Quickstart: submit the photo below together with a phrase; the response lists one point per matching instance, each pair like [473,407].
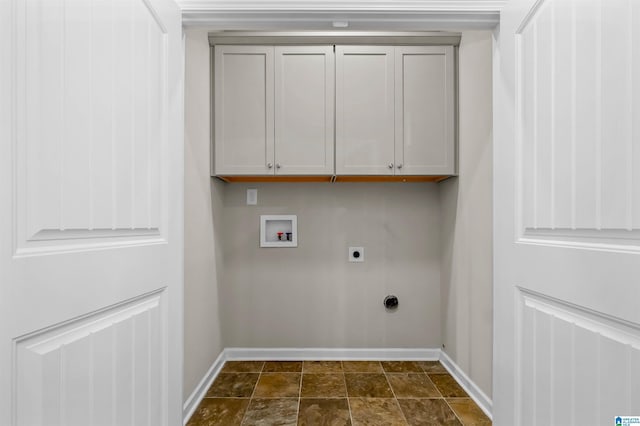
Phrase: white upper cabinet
[364,110]
[395,110]
[274,110]
[244,126]
[424,110]
[304,110]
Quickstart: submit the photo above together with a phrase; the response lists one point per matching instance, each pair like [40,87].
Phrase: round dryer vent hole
[390,302]
[356,254]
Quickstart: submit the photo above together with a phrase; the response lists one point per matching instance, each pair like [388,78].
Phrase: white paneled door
[90,212]
[567,209]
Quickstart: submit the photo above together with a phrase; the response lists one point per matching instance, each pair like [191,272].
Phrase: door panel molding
[618,240]
[58,371]
[78,175]
[576,115]
[563,346]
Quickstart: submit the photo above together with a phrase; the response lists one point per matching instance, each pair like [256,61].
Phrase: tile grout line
[346,392]
[453,411]
[434,384]
[300,393]
[395,397]
[443,397]
[255,386]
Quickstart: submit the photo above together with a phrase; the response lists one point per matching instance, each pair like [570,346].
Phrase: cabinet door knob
[278,165]
[391,165]
[270,165]
[399,166]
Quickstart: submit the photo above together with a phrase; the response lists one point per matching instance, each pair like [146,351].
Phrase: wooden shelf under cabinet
[343,178]
[374,178]
[275,178]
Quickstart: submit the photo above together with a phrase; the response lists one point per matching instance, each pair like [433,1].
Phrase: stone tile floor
[336,393]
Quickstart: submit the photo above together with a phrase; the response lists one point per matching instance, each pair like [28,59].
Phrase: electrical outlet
[252,197]
[356,254]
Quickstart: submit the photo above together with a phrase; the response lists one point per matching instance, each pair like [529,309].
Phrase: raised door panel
[89,152]
[104,368]
[564,353]
[425,143]
[304,110]
[91,225]
[243,110]
[579,110]
[364,110]
[566,193]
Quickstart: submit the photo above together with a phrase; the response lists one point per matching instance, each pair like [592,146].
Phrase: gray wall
[202,337]
[311,296]
[466,201]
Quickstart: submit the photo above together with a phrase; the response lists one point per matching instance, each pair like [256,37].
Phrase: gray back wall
[311,296]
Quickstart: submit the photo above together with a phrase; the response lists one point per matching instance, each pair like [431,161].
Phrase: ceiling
[359,15]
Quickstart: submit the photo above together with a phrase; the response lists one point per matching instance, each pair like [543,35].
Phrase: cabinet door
[364,110]
[304,110]
[243,110]
[425,139]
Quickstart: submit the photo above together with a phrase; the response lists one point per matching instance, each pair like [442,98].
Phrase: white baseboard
[484,402]
[200,391]
[329,354]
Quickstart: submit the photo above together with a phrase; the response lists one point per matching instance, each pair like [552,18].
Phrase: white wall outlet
[356,254]
[252,197]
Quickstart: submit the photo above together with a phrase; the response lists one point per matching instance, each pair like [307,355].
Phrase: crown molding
[338,5]
[361,14]
[403,38]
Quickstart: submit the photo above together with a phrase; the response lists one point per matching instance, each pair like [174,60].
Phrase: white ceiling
[360,14]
